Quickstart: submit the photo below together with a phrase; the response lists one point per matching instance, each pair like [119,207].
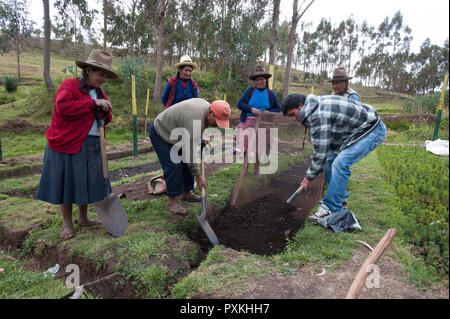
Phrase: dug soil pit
[265,224]
[262,227]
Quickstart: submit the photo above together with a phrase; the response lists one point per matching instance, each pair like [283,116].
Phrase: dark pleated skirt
[73,178]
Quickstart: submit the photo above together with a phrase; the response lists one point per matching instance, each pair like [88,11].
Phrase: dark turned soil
[261,227]
[264,225]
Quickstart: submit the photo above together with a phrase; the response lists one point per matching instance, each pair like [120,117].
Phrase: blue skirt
[73,178]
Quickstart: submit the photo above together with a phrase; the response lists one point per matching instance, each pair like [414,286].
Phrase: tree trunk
[133,24]
[18,57]
[160,49]
[47,78]
[105,22]
[295,19]
[274,40]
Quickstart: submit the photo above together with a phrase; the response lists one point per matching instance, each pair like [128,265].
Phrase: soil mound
[20,125]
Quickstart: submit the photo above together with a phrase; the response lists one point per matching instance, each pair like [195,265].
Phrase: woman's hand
[105,105]
[256,112]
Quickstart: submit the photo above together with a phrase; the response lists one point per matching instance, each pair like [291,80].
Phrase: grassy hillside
[157,256]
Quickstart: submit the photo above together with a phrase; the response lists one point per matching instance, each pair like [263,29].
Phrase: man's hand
[305,183]
[201,182]
[105,105]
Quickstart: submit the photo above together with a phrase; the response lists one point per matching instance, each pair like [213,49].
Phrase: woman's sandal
[179,211]
[90,223]
[66,233]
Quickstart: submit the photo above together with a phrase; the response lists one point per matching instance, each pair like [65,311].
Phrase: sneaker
[321,213]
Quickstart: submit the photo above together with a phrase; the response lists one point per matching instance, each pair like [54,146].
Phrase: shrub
[10,82]
[5,98]
[425,104]
[132,66]
[420,180]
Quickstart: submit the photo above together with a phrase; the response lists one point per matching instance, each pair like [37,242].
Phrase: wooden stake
[361,277]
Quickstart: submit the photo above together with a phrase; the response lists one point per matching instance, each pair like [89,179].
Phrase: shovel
[244,169]
[201,219]
[298,191]
[110,211]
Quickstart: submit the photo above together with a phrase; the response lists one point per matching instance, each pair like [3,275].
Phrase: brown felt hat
[340,74]
[186,60]
[259,71]
[101,60]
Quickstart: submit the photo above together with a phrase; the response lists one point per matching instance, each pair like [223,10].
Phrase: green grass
[225,273]
[25,185]
[370,200]
[18,283]
[21,212]
[19,144]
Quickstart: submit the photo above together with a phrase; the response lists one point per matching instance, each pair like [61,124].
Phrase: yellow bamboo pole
[133,105]
[271,79]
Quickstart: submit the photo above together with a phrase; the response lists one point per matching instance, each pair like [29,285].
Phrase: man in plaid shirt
[343,131]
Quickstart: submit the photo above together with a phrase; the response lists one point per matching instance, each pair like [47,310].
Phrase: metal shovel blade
[208,230]
[112,215]
[204,223]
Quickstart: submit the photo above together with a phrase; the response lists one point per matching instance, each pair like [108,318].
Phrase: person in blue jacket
[180,87]
[253,103]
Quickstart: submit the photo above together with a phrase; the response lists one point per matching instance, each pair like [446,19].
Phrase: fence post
[440,108]
[133,104]
[146,111]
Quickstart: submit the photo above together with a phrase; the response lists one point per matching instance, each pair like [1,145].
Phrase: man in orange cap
[184,123]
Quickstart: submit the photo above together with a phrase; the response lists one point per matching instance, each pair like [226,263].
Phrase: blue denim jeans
[337,167]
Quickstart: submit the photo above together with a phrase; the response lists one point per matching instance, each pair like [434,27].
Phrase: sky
[429,19]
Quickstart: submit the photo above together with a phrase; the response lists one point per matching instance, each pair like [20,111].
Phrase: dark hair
[84,87]
[292,101]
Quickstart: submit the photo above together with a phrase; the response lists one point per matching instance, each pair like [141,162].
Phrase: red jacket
[73,116]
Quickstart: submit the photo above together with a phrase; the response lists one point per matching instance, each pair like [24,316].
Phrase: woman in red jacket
[72,169]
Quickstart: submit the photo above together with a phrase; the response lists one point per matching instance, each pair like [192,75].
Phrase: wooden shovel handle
[202,167]
[360,279]
[103,151]
[101,130]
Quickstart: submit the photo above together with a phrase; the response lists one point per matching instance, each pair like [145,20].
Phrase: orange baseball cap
[222,112]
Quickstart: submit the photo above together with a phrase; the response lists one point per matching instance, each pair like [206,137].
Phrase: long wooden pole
[361,277]
[133,102]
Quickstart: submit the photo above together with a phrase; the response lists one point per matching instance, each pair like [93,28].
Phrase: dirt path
[309,283]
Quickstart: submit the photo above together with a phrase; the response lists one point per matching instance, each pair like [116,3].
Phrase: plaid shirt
[335,123]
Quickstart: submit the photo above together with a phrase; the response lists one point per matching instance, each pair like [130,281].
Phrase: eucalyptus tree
[351,41]
[16,25]
[72,17]
[297,14]
[47,78]
[162,5]
[274,38]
